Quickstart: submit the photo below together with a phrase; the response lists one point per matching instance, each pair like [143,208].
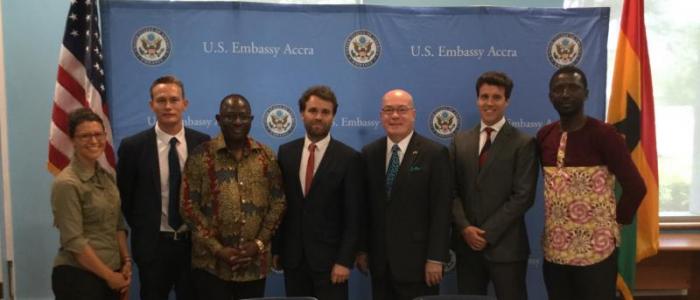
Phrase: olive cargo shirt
[86,211]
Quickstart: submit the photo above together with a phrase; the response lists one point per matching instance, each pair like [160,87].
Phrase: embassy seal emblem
[362,49]
[279,120]
[444,121]
[564,49]
[151,46]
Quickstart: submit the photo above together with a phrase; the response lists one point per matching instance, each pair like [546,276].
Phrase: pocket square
[415,169]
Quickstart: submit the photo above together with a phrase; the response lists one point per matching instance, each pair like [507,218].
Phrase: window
[673,37]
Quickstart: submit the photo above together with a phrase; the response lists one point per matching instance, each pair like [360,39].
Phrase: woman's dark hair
[79,116]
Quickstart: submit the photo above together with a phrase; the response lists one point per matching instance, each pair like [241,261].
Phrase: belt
[175,236]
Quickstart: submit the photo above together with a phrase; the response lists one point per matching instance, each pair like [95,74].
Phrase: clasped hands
[237,257]
[120,280]
[475,237]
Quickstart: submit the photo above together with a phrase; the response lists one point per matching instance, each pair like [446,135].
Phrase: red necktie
[485,148]
[309,169]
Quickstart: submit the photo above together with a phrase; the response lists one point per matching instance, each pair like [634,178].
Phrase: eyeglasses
[230,118]
[390,110]
[84,137]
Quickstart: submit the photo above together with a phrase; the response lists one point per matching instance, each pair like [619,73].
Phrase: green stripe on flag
[627,255]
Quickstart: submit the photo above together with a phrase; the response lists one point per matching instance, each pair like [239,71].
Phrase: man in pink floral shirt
[582,158]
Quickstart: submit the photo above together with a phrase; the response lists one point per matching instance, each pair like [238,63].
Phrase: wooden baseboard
[675,267]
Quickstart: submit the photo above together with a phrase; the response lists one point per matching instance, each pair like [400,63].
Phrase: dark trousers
[474,273]
[302,281]
[388,288]
[210,287]
[71,283]
[170,269]
[594,282]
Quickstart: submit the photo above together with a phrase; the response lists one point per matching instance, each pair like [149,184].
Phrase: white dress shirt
[403,144]
[163,146]
[496,129]
[321,147]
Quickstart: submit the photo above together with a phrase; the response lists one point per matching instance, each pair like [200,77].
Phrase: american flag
[80,83]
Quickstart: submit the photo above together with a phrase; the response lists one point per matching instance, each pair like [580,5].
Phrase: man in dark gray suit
[409,195]
[495,172]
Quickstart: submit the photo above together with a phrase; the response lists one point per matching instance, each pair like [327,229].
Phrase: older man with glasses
[409,197]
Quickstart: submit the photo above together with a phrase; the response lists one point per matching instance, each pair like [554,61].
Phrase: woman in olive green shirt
[93,260]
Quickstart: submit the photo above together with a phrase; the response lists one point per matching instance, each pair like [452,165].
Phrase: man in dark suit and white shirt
[317,239]
[495,172]
[409,197]
[148,176]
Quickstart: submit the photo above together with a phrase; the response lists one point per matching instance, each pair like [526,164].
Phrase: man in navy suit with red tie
[317,240]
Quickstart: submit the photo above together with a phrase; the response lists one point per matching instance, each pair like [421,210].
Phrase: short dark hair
[235,97]
[80,116]
[322,91]
[497,79]
[570,69]
[168,79]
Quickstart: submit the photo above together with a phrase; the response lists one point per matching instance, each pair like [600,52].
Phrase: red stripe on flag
[105,110]
[109,154]
[633,26]
[57,158]
[631,19]
[647,126]
[60,118]
[72,86]
[75,86]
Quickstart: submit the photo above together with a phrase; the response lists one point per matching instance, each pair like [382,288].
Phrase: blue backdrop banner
[271,53]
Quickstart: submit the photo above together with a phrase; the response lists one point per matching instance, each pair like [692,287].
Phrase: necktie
[174,219]
[485,148]
[393,168]
[310,169]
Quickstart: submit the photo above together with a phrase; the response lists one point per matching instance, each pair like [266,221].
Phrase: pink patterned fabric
[580,227]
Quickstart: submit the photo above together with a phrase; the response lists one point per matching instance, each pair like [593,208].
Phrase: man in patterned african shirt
[582,158]
[232,198]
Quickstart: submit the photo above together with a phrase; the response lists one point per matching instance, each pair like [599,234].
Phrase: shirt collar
[320,145]
[403,144]
[165,137]
[219,143]
[83,172]
[496,127]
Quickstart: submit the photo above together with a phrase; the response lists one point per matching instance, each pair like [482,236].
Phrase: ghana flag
[631,111]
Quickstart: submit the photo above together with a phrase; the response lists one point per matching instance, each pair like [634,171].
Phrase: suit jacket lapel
[498,143]
[326,163]
[152,150]
[377,161]
[188,140]
[473,149]
[296,164]
[409,159]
